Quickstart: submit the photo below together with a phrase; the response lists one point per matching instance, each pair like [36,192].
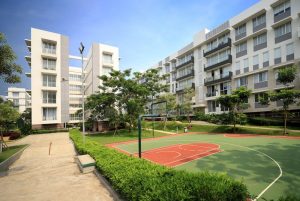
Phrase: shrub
[44,131]
[289,198]
[137,179]
[14,135]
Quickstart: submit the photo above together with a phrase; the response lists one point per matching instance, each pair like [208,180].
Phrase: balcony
[282,15]
[191,61]
[191,74]
[217,48]
[211,94]
[181,89]
[219,78]
[226,60]
[28,59]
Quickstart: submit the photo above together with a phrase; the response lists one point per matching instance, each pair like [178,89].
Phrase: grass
[122,135]
[236,159]
[172,126]
[10,151]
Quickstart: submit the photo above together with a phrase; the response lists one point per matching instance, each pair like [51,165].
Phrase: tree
[170,99]
[9,70]
[235,102]
[24,122]
[8,117]
[287,96]
[186,104]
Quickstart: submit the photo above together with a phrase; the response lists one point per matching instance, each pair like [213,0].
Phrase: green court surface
[257,161]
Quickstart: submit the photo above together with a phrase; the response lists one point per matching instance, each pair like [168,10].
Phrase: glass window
[16,102]
[290,49]
[246,63]
[107,58]
[49,48]
[277,53]
[75,88]
[49,64]
[260,96]
[75,117]
[49,80]
[241,47]
[49,97]
[283,29]
[211,106]
[282,8]
[106,71]
[222,56]
[260,39]
[259,20]
[255,60]
[243,81]
[238,65]
[266,56]
[75,77]
[15,94]
[49,114]
[240,30]
[260,77]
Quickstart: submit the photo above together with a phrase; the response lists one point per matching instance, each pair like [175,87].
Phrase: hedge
[138,179]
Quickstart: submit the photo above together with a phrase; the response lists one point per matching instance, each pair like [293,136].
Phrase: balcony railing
[211,94]
[225,60]
[220,46]
[190,61]
[181,89]
[218,78]
[190,74]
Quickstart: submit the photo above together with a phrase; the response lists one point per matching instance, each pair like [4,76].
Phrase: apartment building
[20,97]
[56,85]
[246,50]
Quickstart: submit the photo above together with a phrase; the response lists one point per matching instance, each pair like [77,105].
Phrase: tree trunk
[285,120]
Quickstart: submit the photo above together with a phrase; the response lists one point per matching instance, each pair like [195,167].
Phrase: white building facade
[57,86]
[246,50]
[20,97]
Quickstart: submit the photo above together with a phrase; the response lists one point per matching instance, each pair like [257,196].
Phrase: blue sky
[145,31]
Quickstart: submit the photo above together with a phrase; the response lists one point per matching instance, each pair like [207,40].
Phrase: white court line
[178,154]
[280,170]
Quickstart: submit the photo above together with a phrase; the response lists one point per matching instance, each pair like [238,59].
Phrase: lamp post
[81,49]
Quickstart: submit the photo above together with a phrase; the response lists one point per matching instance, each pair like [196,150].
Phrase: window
[259,20]
[240,30]
[16,102]
[246,63]
[289,49]
[277,53]
[15,94]
[241,47]
[238,65]
[261,39]
[225,88]
[75,88]
[49,80]
[260,96]
[75,105]
[75,77]
[260,77]
[107,58]
[49,64]
[106,71]
[282,8]
[283,29]
[185,84]
[167,68]
[242,81]
[49,48]
[222,56]
[255,60]
[215,43]
[49,97]
[49,114]
[184,71]
[266,56]
[75,117]
[211,106]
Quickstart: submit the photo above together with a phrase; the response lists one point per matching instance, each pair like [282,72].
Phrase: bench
[86,163]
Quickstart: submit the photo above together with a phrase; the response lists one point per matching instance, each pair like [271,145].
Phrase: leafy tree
[236,103]
[186,105]
[8,117]
[24,122]
[287,96]
[170,99]
[9,70]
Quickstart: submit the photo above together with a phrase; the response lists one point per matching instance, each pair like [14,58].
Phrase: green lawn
[172,127]
[122,135]
[244,159]
[10,151]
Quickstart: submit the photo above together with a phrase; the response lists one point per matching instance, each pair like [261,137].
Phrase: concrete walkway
[38,176]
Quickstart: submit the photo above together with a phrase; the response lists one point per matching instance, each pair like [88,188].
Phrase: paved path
[38,176]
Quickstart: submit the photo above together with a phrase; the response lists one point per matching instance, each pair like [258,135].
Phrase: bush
[289,198]
[137,179]
[264,121]
[49,131]
[14,135]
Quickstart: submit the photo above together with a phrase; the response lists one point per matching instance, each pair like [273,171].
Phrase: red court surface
[179,154]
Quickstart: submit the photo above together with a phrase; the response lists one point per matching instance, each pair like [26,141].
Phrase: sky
[145,31]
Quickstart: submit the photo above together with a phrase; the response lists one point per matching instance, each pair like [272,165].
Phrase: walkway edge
[4,165]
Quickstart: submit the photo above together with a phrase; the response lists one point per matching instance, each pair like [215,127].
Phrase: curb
[5,164]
